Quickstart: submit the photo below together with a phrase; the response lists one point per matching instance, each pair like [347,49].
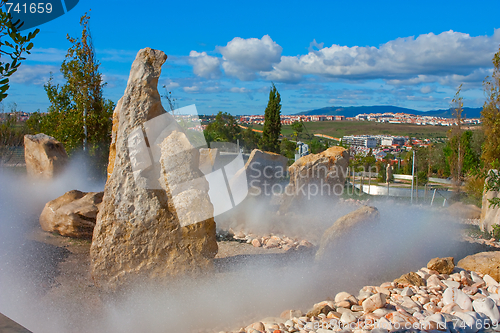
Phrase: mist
[242,289]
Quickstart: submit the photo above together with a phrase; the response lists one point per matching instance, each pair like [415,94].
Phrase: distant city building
[361,140]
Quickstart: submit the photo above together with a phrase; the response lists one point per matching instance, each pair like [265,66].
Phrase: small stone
[256,243]
[374,302]
[289,314]
[452,307]
[411,278]
[442,265]
[454,295]
[271,243]
[476,278]
[490,281]
[407,291]
[343,304]
[488,307]
[451,284]
[433,280]
[347,318]
[259,326]
[357,308]
[342,296]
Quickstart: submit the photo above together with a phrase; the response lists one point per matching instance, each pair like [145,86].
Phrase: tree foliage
[491,114]
[456,149]
[79,103]
[272,122]
[12,45]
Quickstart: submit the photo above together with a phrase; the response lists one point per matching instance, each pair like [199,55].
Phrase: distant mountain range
[352,111]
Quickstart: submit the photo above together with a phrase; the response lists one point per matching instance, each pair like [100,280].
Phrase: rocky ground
[458,300]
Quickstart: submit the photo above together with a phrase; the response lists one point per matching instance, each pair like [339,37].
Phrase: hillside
[352,111]
[340,128]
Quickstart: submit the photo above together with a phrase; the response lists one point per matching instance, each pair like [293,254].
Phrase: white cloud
[241,90]
[421,59]
[38,74]
[427,89]
[204,65]
[242,58]
[192,89]
[46,55]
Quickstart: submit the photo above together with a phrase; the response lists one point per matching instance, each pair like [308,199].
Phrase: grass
[340,128]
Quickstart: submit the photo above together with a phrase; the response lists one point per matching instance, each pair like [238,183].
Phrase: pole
[412,175]
[433,195]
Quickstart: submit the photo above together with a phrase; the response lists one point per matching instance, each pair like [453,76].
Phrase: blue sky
[223,55]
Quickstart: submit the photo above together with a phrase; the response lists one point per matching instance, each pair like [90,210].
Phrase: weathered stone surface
[45,156]
[265,167]
[442,265]
[73,214]
[489,215]
[208,158]
[411,278]
[325,172]
[464,211]
[344,225]
[483,262]
[139,235]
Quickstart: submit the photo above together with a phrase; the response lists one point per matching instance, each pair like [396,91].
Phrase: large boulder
[208,158]
[73,214]
[45,156]
[345,225]
[263,170]
[156,220]
[464,211]
[484,263]
[489,215]
[316,176]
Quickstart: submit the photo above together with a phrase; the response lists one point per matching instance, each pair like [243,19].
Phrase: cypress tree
[272,122]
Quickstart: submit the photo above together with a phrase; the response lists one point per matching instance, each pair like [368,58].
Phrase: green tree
[250,139]
[491,114]
[272,122]
[224,128]
[298,128]
[288,148]
[12,45]
[78,114]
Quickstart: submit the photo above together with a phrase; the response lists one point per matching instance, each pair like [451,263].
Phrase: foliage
[224,128]
[79,103]
[298,128]
[456,151]
[250,139]
[272,122]
[287,148]
[492,183]
[422,177]
[491,114]
[16,44]
[11,134]
[316,146]
[474,187]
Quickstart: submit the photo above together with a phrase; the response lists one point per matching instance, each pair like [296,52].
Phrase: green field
[340,128]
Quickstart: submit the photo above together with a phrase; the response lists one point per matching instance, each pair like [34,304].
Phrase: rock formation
[45,156]
[208,158]
[343,226]
[263,169]
[73,214]
[144,232]
[315,176]
[484,263]
[489,215]
[464,211]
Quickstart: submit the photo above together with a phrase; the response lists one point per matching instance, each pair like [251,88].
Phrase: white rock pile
[270,241]
[436,298]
